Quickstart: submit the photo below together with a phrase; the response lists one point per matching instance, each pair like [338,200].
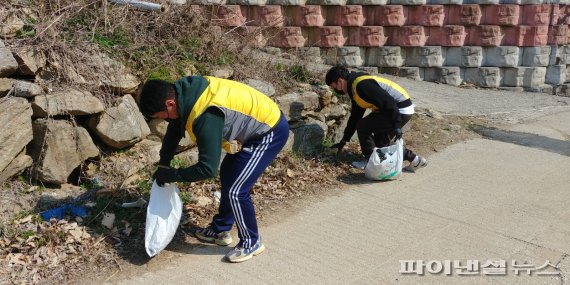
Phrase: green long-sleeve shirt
[208,129]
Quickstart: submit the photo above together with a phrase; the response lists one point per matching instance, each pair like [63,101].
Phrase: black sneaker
[208,234]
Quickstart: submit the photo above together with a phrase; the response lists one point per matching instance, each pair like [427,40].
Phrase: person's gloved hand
[160,166]
[164,175]
[339,146]
[397,133]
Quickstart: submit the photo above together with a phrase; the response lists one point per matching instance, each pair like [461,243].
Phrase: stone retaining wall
[512,43]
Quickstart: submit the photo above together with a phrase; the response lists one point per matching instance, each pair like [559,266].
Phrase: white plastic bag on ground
[162,217]
[386,163]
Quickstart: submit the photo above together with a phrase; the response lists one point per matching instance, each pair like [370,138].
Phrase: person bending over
[219,113]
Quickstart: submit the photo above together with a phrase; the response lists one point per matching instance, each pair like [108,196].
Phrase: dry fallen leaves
[32,256]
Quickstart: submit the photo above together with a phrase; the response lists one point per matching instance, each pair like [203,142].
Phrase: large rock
[10,24]
[16,122]
[16,166]
[223,73]
[8,63]
[5,86]
[67,102]
[27,89]
[121,126]
[30,60]
[308,138]
[116,77]
[335,111]
[58,148]
[261,86]
[293,104]
[158,130]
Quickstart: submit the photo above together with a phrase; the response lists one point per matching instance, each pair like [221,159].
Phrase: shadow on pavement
[198,248]
[526,139]
[357,179]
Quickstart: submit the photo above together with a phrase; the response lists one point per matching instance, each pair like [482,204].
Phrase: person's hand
[339,146]
[164,175]
[397,133]
[160,166]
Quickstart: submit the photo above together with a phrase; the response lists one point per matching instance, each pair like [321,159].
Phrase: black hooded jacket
[370,91]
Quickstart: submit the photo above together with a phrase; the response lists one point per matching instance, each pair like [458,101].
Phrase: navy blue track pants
[238,174]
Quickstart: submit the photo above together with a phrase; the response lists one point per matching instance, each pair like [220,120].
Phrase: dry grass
[179,41]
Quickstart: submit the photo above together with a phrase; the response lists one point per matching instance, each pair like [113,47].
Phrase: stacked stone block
[491,43]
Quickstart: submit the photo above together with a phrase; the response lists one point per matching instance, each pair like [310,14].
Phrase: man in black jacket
[391,109]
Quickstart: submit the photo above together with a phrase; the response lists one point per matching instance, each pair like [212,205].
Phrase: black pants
[376,130]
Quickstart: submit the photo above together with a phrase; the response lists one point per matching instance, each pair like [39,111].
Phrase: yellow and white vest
[396,91]
[248,112]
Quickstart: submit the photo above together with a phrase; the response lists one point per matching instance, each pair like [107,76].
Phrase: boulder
[16,122]
[293,104]
[335,111]
[16,166]
[5,86]
[158,130]
[8,63]
[223,73]
[58,148]
[120,126]
[67,102]
[308,138]
[261,86]
[116,77]
[27,89]
[30,60]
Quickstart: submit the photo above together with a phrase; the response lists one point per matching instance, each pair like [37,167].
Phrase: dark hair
[336,72]
[153,95]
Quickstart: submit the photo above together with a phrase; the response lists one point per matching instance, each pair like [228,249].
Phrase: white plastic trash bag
[386,163]
[162,217]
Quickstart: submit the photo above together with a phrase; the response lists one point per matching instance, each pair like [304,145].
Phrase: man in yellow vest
[391,109]
[219,113]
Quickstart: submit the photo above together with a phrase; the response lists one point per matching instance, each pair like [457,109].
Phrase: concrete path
[500,106]
[480,201]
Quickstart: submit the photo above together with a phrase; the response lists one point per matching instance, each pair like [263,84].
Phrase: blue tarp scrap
[57,213]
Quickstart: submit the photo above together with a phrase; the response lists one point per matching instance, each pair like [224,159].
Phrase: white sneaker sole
[249,256]
[411,168]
